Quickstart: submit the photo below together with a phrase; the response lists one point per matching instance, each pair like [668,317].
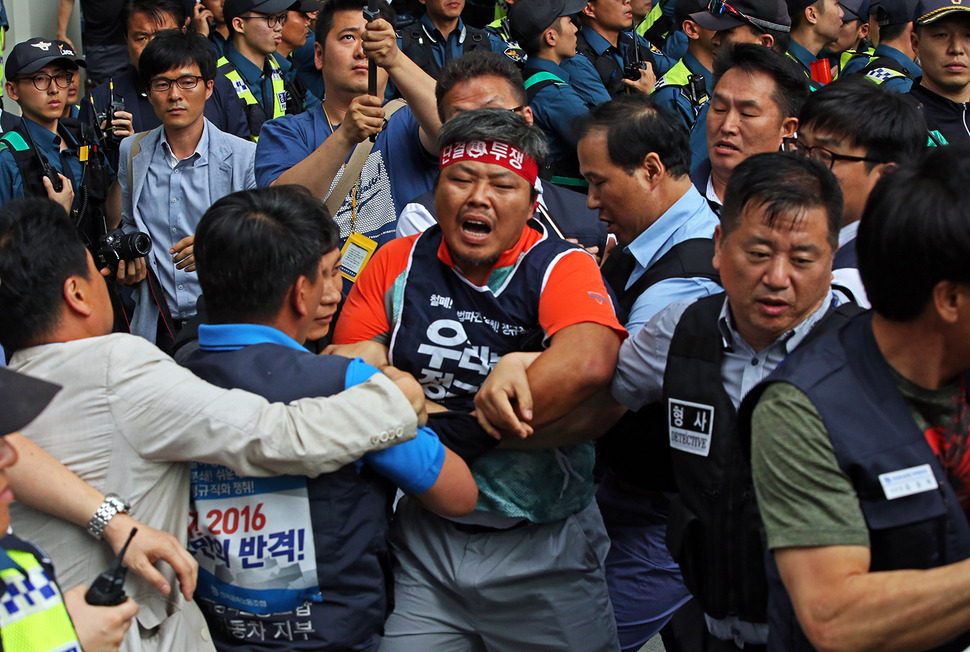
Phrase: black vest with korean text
[449,335]
[714,528]
[914,517]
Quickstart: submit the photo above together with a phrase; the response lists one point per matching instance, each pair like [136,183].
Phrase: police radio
[45,165]
[108,589]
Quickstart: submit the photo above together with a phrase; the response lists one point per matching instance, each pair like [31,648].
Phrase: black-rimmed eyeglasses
[43,81]
[824,156]
[185,82]
[271,21]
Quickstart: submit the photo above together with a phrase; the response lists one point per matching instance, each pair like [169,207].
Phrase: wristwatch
[113,503]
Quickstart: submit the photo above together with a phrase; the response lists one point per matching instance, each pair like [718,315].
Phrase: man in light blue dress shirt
[170,175]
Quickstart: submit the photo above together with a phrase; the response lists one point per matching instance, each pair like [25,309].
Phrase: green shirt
[804,497]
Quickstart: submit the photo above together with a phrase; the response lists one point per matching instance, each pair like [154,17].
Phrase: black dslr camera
[115,246]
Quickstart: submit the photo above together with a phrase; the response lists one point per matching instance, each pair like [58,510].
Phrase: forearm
[317,171]
[419,90]
[588,421]
[64,11]
[886,611]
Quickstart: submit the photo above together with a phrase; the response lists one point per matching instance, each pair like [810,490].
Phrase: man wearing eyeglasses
[859,147]
[255,30]
[45,150]
[170,175]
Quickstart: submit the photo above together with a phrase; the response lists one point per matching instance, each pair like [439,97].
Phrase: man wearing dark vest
[859,440]
[525,568]
[255,29]
[315,565]
[859,147]
[893,63]
[547,34]
[664,231]
[696,360]
[685,89]
[440,35]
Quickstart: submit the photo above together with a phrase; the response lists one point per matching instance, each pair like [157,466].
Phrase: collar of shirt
[710,194]
[788,341]
[434,35]
[199,157]
[647,246]
[508,258]
[283,62]
[848,233]
[536,63]
[934,100]
[913,68]
[251,73]
[596,40]
[231,337]
[47,142]
[695,67]
[800,54]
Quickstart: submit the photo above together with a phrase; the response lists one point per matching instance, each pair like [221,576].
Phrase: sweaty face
[330,283]
[611,15]
[482,209]
[295,30]
[443,9]
[142,29]
[42,107]
[622,199]
[774,276]
[854,178]
[343,61]
[179,108]
[744,119]
[944,53]
[8,457]
[481,93]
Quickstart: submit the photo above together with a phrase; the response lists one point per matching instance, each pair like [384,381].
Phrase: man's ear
[950,300]
[11,90]
[864,30]
[77,298]
[766,40]
[652,168]
[317,55]
[549,38]
[690,28]
[299,296]
[718,240]
[789,126]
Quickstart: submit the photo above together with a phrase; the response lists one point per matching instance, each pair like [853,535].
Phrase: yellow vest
[226,68]
[32,613]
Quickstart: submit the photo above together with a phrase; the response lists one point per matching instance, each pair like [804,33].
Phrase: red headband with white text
[492,151]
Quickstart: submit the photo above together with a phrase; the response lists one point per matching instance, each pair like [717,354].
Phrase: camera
[115,246]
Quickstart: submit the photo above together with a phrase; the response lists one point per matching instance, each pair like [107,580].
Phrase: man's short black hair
[883,123]
[331,7]
[475,64]
[39,249]
[252,245]
[154,8]
[791,85]
[892,32]
[785,184]
[173,48]
[914,232]
[635,126]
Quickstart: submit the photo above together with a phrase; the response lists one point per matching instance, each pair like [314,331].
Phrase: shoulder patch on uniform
[880,75]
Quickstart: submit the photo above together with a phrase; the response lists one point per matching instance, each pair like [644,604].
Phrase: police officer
[893,62]
[46,155]
[684,90]
[256,28]
[547,33]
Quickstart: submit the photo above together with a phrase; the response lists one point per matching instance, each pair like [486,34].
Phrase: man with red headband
[525,569]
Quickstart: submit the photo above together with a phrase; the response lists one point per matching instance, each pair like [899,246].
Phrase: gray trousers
[535,587]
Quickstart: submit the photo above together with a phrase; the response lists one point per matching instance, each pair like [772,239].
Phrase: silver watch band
[113,503]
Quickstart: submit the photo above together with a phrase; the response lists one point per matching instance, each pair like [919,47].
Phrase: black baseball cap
[33,54]
[529,18]
[23,398]
[929,11]
[893,12]
[233,8]
[855,10]
[767,14]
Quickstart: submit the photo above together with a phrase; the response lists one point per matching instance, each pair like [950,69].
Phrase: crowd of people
[548,325]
